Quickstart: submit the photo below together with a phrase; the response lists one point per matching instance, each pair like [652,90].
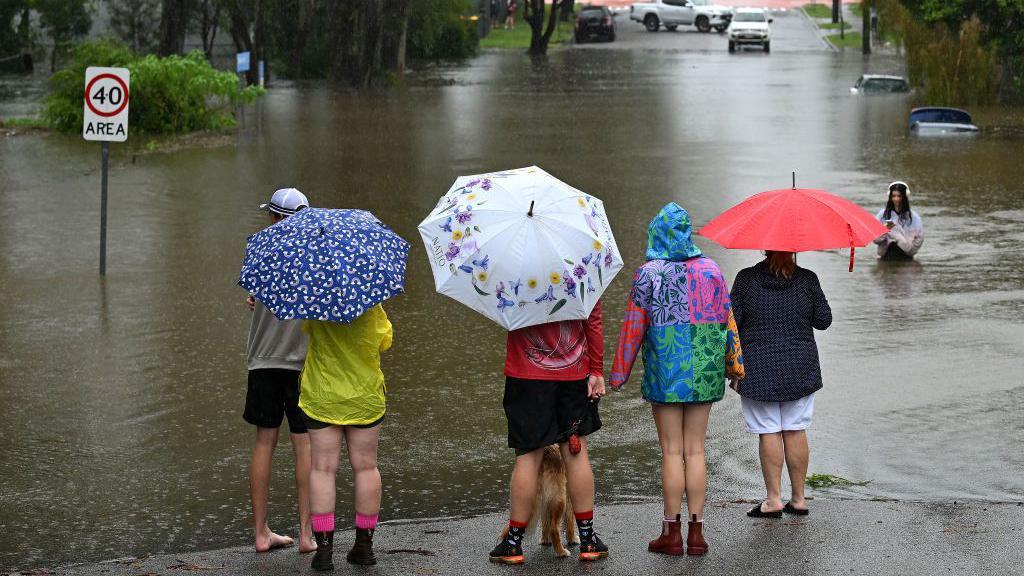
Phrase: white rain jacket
[909,237]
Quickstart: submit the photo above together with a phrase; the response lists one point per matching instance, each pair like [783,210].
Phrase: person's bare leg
[772,454]
[797,457]
[579,476]
[695,427]
[362,455]
[668,420]
[259,491]
[303,467]
[523,486]
[325,451]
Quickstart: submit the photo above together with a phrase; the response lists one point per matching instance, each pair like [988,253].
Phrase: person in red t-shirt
[554,377]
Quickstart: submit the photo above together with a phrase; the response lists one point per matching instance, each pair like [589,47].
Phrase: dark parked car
[595,22]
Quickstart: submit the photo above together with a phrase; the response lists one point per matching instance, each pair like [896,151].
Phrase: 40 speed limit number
[106,104]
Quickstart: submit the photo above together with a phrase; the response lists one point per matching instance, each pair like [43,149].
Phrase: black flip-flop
[756,512]
[788,509]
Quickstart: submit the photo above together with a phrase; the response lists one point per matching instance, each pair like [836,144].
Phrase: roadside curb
[821,33]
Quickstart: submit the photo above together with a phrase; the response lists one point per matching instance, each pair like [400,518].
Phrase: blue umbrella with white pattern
[324,264]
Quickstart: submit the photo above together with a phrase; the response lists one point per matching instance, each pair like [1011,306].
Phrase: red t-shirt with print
[567,350]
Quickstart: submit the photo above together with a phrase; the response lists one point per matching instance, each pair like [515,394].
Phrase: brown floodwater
[122,430]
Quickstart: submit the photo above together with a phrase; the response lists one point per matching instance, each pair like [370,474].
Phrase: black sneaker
[362,550]
[592,549]
[507,553]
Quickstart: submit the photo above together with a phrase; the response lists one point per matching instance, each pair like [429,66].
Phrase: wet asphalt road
[840,537]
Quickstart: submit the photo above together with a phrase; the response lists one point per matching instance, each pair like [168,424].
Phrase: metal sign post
[105,120]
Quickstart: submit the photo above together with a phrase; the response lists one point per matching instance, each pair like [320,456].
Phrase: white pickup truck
[674,13]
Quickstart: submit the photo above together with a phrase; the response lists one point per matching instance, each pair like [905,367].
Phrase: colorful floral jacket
[679,312]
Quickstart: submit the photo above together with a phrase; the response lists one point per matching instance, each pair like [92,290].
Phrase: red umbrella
[794,220]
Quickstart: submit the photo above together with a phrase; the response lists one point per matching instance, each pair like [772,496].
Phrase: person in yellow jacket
[343,395]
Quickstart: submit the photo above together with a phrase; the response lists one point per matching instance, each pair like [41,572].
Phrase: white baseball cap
[286,201]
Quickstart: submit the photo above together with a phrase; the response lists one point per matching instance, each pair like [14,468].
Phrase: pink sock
[366,522]
[323,522]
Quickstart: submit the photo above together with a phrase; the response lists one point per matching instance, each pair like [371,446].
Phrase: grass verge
[25,123]
[818,10]
[851,40]
[519,38]
[835,26]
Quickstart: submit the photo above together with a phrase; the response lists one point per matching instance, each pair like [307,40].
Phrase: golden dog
[552,505]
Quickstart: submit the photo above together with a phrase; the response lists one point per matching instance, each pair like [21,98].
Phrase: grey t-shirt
[275,343]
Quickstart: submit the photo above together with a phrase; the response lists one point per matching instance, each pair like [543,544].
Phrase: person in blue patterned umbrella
[275,353]
[777,306]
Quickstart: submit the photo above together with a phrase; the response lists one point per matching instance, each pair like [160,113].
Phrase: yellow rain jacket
[342,382]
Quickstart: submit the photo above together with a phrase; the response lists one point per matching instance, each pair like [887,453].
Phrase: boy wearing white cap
[276,352]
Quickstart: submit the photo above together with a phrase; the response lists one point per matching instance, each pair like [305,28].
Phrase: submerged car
[880,84]
[595,22]
[750,27]
[936,121]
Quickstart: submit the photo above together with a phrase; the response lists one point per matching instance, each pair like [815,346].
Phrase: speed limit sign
[106,104]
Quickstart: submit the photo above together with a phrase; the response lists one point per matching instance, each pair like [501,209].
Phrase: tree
[10,42]
[64,21]
[865,21]
[535,15]
[174,17]
[136,22]
[207,16]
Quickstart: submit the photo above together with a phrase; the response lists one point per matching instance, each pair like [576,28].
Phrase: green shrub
[171,95]
[437,30]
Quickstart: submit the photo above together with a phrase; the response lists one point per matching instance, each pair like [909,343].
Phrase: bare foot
[270,541]
[306,544]
[769,506]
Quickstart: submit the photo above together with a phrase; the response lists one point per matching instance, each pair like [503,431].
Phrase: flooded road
[123,431]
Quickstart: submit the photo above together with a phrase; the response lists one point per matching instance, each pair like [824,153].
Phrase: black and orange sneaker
[507,552]
[592,549]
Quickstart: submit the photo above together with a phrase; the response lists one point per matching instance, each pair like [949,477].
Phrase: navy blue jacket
[776,319]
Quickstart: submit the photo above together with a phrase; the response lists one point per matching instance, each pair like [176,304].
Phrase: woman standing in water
[906,233]
[342,396]
[679,312]
[777,306]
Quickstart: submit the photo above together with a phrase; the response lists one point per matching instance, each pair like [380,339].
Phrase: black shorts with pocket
[544,412]
[273,394]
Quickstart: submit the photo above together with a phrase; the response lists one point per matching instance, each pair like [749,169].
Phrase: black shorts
[544,412]
[314,424]
[273,394]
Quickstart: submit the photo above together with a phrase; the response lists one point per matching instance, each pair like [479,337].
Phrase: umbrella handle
[853,249]
[530,212]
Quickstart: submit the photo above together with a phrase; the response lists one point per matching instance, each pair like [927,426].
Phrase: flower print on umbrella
[590,285]
[586,259]
[532,283]
[579,271]
[548,296]
[466,269]
[453,251]
[469,245]
[464,216]
[457,235]
[598,246]
[515,286]
[555,278]
[447,226]
[608,259]
[483,263]
[570,286]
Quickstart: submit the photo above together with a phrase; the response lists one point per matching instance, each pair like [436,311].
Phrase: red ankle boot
[695,544]
[671,540]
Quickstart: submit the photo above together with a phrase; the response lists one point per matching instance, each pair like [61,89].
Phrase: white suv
[750,26]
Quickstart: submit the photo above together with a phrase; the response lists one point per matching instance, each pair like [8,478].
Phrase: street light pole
[865,18]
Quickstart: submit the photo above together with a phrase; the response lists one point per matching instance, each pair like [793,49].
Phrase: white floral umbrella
[521,247]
